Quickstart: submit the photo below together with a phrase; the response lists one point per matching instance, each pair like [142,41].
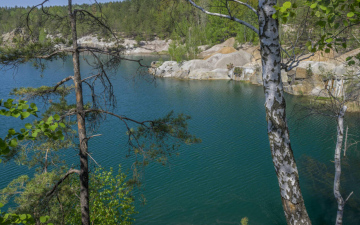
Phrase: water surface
[229,175]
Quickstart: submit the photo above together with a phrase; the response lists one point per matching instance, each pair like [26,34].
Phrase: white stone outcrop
[309,78]
[215,67]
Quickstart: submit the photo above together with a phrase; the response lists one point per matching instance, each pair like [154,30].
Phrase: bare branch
[54,53]
[245,4]
[59,83]
[96,75]
[71,171]
[349,196]
[101,23]
[94,160]
[225,16]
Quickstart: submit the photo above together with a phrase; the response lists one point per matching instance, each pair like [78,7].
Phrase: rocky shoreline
[131,46]
[322,72]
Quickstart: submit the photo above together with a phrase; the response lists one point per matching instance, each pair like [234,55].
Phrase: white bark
[282,154]
[225,16]
[278,132]
[337,159]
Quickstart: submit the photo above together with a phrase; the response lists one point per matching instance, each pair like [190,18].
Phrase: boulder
[196,64]
[319,68]
[342,58]
[255,52]
[256,78]
[313,85]
[167,69]
[228,43]
[239,58]
[301,73]
[198,74]
[203,47]
[284,77]
[205,74]
[225,50]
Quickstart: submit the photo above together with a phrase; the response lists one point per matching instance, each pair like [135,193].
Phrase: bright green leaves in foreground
[332,18]
[285,11]
[21,109]
[12,218]
[111,200]
[49,127]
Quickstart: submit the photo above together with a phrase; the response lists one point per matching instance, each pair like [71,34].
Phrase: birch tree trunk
[83,153]
[340,137]
[278,132]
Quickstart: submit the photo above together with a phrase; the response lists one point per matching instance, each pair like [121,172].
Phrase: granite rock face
[215,67]
[309,78]
[211,51]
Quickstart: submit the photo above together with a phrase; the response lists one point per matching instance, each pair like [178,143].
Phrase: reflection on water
[229,175]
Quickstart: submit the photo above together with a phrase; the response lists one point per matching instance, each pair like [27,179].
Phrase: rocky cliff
[313,78]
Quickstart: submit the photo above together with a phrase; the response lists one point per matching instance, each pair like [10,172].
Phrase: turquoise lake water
[230,174]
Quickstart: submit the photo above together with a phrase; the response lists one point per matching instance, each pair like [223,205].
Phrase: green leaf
[25,115]
[321,23]
[23,217]
[1,205]
[287,5]
[61,137]
[350,14]
[28,126]
[50,119]
[43,219]
[34,134]
[12,131]
[323,7]
[16,115]
[56,117]
[329,40]
[313,5]
[327,50]
[62,125]
[53,127]
[13,143]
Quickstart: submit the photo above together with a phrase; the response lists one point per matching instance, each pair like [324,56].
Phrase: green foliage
[142,19]
[285,11]
[111,201]
[177,52]
[309,71]
[332,17]
[30,197]
[50,127]
[238,71]
[42,35]
[158,140]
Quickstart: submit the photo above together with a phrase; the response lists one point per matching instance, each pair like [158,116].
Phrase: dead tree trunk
[83,152]
[337,159]
[278,132]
